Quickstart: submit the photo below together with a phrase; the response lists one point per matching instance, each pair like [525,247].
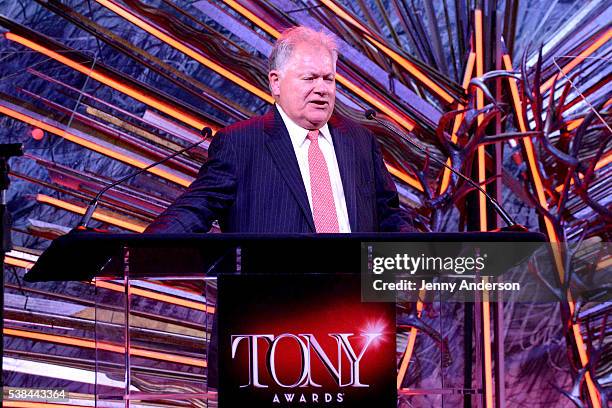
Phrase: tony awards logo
[341,365]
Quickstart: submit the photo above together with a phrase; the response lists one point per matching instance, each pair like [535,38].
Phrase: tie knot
[313,135]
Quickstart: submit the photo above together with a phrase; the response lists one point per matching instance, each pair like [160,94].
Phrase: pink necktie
[323,206]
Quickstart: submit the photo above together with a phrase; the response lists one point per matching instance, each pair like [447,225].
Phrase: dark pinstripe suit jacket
[252,183]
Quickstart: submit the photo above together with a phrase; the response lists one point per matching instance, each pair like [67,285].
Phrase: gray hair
[284,46]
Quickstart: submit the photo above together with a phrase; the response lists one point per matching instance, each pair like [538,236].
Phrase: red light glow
[37,134]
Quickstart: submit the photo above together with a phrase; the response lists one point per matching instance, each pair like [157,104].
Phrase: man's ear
[274,80]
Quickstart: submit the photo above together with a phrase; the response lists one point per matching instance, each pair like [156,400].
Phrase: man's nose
[321,87]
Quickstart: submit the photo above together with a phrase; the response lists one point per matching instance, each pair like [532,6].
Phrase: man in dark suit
[296,169]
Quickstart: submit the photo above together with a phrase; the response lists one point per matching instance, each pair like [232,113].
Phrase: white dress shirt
[300,143]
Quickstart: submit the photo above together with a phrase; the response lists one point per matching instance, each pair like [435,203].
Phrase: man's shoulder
[245,128]
[351,127]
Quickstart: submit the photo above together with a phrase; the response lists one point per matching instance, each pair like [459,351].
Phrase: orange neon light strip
[115,348]
[45,199]
[458,119]
[185,50]
[157,296]
[486,339]
[405,177]
[252,17]
[20,263]
[552,235]
[479,105]
[578,59]
[482,200]
[339,12]
[128,90]
[604,162]
[573,124]
[467,76]
[518,109]
[486,314]
[401,373]
[401,119]
[412,69]
[93,146]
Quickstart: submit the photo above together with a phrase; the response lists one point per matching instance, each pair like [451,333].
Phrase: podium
[185,277]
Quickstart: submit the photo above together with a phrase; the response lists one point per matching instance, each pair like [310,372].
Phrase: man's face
[305,87]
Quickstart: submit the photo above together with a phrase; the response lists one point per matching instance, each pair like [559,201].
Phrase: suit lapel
[280,148]
[345,154]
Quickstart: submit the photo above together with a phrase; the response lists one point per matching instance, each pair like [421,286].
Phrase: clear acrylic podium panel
[166,323]
[170,321]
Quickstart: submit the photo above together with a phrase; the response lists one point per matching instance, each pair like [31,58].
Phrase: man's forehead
[317,52]
[316,67]
[312,59]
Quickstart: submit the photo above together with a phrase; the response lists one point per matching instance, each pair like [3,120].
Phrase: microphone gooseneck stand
[91,207]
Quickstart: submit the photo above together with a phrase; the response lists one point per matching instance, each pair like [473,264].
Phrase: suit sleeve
[391,217]
[208,197]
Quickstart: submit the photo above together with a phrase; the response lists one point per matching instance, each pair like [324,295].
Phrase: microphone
[93,204]
[370,114]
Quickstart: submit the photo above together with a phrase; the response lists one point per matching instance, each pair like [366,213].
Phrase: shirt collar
[297,133]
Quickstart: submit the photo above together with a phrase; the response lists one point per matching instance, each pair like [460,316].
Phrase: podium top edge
[383,236]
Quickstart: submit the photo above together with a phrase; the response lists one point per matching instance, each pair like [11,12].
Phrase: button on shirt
[300,143]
